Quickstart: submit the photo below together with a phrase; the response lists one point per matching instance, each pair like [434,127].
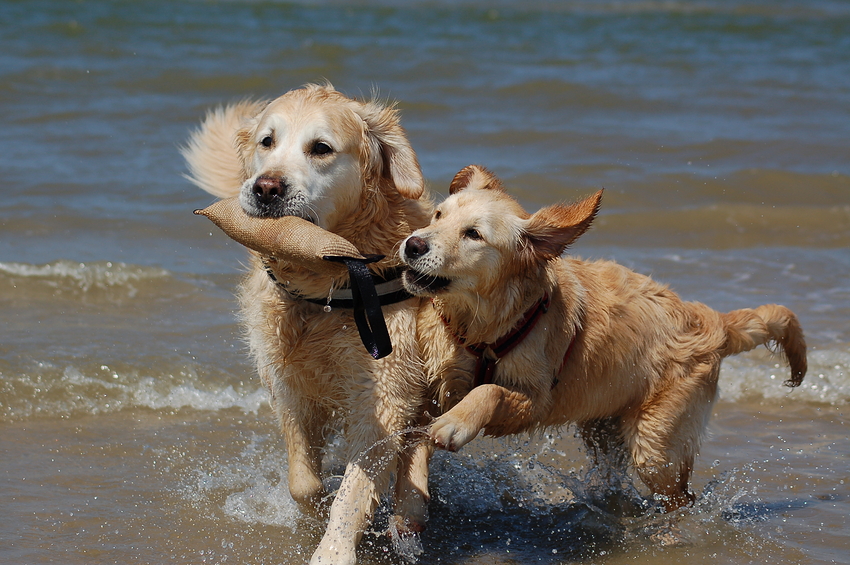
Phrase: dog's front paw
[451,433]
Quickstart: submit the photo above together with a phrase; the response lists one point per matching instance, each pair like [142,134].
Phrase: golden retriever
[517,338]
[347,166]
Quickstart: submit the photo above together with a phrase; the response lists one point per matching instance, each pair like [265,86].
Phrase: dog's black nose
[266,189]
[415,247]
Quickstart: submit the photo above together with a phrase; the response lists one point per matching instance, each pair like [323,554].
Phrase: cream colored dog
[347,166]
[519,339]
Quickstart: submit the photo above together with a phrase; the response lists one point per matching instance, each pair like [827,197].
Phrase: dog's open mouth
[277,207]
[269,212]
[420,283]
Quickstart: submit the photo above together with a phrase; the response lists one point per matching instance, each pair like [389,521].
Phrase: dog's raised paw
[450,433]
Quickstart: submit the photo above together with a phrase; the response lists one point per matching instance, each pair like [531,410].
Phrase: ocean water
[132,426]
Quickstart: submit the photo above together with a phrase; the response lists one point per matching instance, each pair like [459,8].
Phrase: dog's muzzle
[417,282]
[268,197]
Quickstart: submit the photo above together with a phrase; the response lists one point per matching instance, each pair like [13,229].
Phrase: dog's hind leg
[664,436]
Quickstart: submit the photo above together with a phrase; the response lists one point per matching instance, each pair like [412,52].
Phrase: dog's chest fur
[294,330]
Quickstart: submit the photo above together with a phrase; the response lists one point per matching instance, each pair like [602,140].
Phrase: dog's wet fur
[347,166]
[618,354]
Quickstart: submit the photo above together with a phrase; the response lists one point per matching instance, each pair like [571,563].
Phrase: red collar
[488,354]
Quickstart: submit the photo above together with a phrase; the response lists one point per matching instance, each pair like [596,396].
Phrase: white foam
[84,276]
[827,380]
[145,394]
[64,391]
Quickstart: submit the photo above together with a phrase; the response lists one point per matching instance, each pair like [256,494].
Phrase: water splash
[529,500]
[407,545]
[247,488]
[517,498]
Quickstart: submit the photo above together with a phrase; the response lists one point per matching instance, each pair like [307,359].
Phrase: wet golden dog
[347,166]
[518,338]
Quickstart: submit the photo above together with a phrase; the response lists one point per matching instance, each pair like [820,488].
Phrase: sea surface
[133,428]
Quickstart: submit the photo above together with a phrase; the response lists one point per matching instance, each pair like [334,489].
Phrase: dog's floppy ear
[475,176]
[390,153]
[550,230]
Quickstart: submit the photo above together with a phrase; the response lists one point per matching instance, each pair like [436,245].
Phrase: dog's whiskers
[477,309]
[420,277]
[311,214]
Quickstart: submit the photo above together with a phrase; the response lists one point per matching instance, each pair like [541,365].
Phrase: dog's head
[316,153]
[479,237]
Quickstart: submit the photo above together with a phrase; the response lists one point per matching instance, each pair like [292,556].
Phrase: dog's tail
[210,153]
[766,325]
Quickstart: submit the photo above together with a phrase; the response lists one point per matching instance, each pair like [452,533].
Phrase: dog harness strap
[367,307]
[523,328]
[366,294]
[488,354]
[485,370]
[389,289]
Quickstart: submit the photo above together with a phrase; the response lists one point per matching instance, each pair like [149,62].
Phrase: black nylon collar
[389,289]
[368,292]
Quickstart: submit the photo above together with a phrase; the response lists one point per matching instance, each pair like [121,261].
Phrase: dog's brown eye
[321,148]
[472,233]
[437,215]
[267,141]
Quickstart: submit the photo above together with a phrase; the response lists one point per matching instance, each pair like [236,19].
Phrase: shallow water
[133,428]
